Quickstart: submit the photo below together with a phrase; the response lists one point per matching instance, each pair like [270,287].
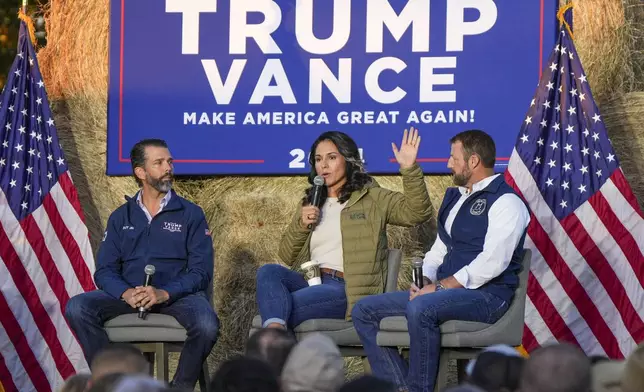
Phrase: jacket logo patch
[478,207]
[358,215]
[126,227]
[172,227]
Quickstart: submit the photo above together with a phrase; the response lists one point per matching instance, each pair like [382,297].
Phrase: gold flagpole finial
[562,19]
[22,15]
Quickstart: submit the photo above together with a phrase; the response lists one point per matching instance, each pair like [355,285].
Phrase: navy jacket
[177,242]
[468,236]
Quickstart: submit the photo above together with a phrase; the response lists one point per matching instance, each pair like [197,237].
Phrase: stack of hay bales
[609,36]
[247,215]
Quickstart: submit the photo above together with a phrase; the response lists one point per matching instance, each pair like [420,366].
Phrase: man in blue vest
[156,227]
[470,273]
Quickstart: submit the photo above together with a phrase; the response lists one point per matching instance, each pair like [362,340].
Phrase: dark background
[9,26]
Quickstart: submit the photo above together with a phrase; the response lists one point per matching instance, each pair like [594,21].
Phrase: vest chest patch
[358,215]
[478,207]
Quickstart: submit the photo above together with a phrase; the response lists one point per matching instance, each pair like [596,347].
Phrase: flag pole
[22,15]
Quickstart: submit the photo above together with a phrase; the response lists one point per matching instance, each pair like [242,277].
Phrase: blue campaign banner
[245,86]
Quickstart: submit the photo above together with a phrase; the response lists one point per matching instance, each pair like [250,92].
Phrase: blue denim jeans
[87,312]
[424,315]
[284,297]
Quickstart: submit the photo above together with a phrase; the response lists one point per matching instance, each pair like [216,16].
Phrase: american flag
[45,254]
[586,231]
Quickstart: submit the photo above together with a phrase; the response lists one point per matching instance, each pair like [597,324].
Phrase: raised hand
[406,156]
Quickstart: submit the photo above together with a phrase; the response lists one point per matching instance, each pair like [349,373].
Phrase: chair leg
[443,370]
[150,358]
[366,366]
[204,379]
[161,354]
[461,366]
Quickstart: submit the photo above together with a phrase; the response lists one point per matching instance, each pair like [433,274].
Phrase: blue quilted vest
[468,236]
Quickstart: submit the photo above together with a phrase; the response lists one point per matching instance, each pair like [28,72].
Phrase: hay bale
[78,37]
[248,215]
[634,11]
[624,118]
[603,38]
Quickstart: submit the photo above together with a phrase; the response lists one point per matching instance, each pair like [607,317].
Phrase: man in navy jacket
[471,271]
[159,228]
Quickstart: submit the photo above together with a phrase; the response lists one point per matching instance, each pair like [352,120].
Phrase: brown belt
[332,272]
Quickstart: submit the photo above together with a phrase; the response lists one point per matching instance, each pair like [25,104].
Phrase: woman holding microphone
[347,236]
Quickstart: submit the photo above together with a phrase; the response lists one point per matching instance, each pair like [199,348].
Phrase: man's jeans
[424,315]
[88,312]
[284,297]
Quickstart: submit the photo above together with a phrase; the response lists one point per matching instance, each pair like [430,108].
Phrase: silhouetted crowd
[275,361]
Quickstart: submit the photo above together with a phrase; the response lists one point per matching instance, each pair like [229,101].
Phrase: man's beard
[163,184]
[463,178]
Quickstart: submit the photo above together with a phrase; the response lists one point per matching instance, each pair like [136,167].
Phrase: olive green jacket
[363,224]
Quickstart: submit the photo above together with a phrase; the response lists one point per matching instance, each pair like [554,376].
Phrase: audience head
[556,368]
[105,383]
[620,376]
[472,157]
[271,345]
[139,383]
[497,372]
[497,368]
[314,365]
[368,383]
[76,383]
[607,376]
[152,164]
[243,374]
[118,358]
[464,388]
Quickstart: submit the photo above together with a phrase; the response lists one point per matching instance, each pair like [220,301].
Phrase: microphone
[418,273]
[149,271]
[316,198]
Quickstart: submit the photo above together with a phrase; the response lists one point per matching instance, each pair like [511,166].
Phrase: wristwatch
[439,286]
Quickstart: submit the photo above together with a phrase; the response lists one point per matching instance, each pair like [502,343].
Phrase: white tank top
[326,240]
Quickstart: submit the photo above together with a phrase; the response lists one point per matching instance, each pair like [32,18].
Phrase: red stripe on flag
[37,242]
[622,184]
[570,284]
[604,272]
[30,294]
[6,381]
[70,191]
[530,343]
[69,244]
[548,312]
[10,324]
[621,235]
[573,288]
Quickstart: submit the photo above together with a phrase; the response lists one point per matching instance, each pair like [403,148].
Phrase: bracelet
[439,286]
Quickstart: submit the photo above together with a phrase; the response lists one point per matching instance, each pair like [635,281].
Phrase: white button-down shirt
[508,217]
[164,202]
